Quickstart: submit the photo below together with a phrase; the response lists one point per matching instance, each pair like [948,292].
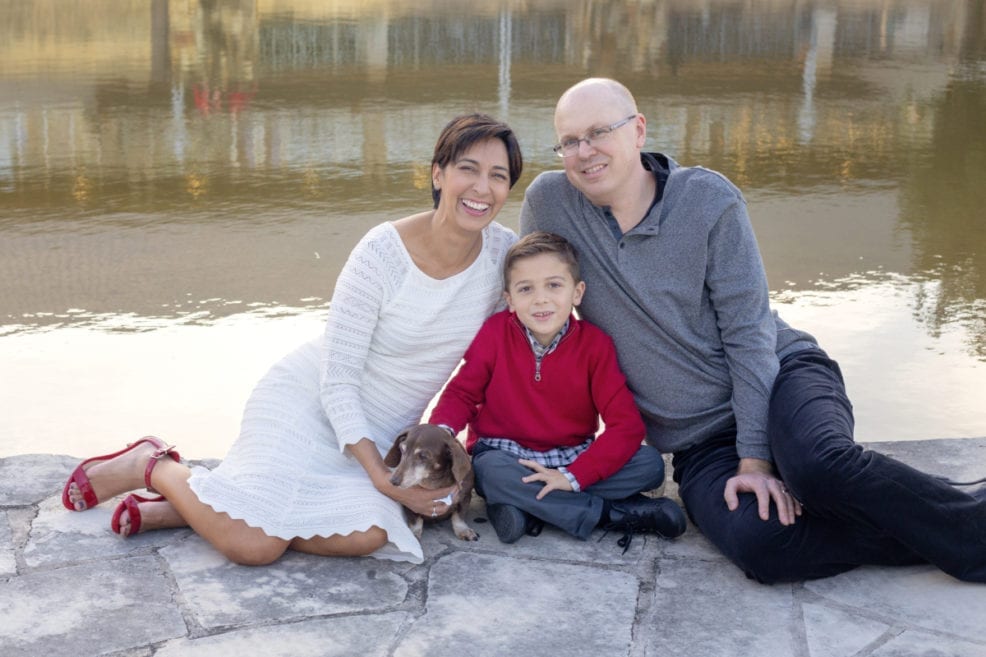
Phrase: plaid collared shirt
[540,351]
[557,457]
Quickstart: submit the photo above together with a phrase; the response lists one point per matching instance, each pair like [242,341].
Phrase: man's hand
[757,476]
[553,480]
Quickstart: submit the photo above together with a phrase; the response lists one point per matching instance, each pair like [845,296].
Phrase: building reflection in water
[194,159]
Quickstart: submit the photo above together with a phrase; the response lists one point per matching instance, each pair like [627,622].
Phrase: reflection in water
[191,161]
[80,391]
[944,207]
[893,366]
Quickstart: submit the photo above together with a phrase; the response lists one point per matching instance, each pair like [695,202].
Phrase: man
[755,413]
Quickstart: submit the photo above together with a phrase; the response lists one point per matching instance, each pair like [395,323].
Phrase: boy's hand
[553,480]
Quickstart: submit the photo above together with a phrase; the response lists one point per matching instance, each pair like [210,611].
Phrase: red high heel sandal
[81,480]
[129,504]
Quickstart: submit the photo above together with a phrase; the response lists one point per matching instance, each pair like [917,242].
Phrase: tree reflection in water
[944,207]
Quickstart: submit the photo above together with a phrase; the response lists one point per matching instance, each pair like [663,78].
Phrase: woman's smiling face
[475,185]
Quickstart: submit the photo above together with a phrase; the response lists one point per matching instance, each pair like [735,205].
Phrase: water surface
[180,181]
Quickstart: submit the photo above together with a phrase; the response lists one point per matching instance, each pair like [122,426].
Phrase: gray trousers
[498,480]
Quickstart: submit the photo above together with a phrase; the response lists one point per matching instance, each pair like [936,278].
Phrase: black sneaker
[510,523]
[645,515]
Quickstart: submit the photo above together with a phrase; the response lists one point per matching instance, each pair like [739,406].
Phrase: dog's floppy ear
[460,459]
[393,458]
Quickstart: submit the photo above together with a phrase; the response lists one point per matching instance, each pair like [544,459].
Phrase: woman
[307,471]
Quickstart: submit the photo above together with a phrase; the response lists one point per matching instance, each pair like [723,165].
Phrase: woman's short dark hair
[462,132]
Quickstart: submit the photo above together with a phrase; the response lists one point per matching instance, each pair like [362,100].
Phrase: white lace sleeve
[501,239]
[363,285]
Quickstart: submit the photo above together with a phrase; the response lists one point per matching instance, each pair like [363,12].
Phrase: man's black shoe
[645,515]
[510,523]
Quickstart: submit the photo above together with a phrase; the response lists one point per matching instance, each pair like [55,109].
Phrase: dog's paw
[466,534]
[461,529]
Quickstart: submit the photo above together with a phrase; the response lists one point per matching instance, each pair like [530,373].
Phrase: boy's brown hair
[537,243]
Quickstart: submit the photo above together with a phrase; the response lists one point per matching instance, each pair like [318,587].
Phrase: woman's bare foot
[153,515]
[114,476]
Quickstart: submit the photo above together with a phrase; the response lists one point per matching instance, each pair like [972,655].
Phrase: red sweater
[496,395]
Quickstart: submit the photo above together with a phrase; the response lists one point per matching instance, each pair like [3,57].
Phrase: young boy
[532,387]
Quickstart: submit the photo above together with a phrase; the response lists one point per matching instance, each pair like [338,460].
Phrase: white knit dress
[393,337]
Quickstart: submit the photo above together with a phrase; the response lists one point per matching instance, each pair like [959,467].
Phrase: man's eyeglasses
[570,146]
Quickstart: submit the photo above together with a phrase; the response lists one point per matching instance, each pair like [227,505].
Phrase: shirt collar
[539,349]
[656,163]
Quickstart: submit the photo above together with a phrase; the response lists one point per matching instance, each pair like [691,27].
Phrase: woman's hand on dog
[552,478]
[425,501]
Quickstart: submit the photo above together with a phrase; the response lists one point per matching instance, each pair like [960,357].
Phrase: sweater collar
[541,350]
[660,165]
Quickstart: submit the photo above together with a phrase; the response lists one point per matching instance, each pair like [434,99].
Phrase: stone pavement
[68,586]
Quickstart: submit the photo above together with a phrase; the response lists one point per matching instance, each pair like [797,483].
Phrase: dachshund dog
[427,455]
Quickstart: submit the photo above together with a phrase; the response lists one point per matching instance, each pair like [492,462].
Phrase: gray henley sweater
[684,296]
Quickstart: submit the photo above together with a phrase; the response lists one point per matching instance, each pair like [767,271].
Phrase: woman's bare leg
[239,542]
[357,544]
[163,515]
[236,540]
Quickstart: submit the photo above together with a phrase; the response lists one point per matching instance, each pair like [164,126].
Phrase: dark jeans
[498,480]
[860,506]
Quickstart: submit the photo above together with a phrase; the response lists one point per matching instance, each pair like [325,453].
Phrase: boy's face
[542,293]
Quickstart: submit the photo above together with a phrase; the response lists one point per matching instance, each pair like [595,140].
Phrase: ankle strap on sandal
[159,453]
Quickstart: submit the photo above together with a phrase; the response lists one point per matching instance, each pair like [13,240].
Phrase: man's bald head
[598,88]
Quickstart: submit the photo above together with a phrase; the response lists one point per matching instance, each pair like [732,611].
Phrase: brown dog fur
[427,455]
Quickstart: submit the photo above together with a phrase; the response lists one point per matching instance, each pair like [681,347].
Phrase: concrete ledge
[69,586]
